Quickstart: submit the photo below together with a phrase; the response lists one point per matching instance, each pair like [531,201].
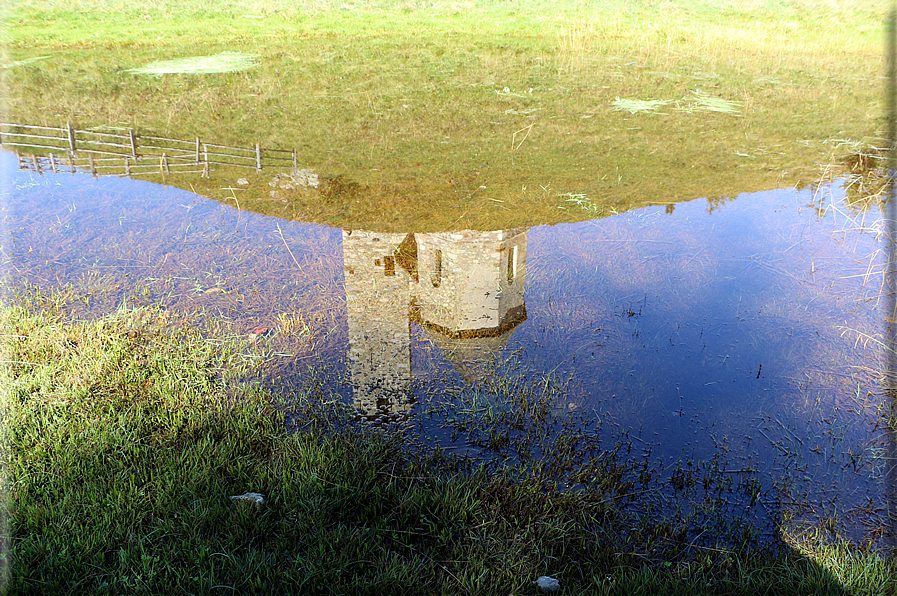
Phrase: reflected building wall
[466,289]
[470,280]
[378,296]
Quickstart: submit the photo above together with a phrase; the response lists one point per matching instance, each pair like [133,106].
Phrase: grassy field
[125,437]
[439,115]
[125,441]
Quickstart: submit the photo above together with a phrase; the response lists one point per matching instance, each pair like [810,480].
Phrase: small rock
[286,185]
[305,177]
[257,499]
[242,182]
[548,584]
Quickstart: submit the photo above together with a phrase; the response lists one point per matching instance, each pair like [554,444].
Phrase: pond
[726,345]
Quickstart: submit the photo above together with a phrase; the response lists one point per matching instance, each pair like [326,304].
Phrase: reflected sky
[749,327]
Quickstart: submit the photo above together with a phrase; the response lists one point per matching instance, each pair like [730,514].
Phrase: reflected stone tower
[378,274]
[466,289]
[470,294]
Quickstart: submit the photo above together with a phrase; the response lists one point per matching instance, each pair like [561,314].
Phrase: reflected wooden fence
[123,152]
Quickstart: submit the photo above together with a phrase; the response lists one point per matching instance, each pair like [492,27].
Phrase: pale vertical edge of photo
[890,322]
[5,380]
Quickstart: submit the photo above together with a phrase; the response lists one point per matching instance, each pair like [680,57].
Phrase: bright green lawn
[474,114]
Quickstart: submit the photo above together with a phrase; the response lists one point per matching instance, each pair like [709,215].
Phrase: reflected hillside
[465,289]
[263,181]
[270,180]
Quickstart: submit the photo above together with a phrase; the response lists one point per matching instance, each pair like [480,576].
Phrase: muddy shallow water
[744,331]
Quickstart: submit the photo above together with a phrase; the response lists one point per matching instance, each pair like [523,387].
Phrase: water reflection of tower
[467,292]
[470,295]
[378,295]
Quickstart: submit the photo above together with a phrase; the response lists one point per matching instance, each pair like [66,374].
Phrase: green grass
[127,436]
[416,104]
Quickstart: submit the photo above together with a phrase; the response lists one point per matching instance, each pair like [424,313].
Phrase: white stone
[548,584]
[242,182]
[250,498]
[305,177]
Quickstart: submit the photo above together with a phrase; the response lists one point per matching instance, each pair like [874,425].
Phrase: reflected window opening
[512,264]
[389,266]
[437,269]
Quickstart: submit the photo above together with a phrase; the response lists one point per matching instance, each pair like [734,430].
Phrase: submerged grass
[426,111]
[126,440]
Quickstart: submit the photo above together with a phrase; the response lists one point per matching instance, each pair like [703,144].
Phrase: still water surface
[747,328]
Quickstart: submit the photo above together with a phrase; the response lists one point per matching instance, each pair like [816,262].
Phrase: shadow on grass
[126,443]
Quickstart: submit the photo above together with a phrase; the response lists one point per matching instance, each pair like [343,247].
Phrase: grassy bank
[435,115]
[127,436]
